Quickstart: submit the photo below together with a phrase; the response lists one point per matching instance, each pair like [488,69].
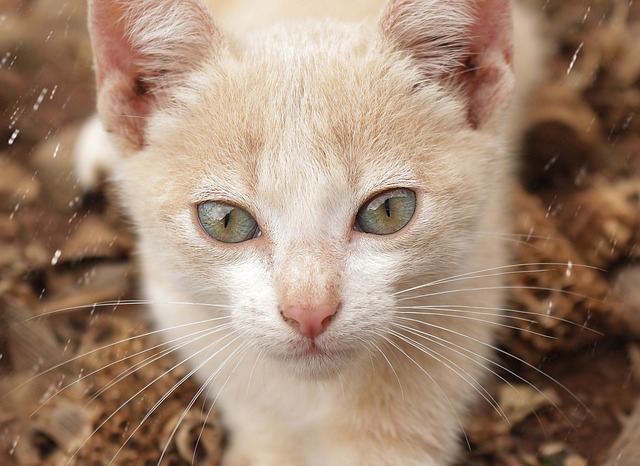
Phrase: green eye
[387,212]
[226,223]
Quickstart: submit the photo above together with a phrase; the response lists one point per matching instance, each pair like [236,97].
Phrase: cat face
[289,137]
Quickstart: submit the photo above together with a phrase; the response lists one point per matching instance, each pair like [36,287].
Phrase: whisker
[390,367]
[205,386]
[484,321]
[501,310]
[110,345]
[451,345]
[506,353]
[155,357]
[447,362]
[419,310]
[483,273]
[113,363]
[140,392]
[503,287]
[173,389]
[115,304]
[437,386]
[244,347]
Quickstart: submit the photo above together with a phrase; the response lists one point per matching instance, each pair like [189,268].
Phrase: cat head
[303,174]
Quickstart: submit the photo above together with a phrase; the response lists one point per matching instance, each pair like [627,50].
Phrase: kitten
[319,206]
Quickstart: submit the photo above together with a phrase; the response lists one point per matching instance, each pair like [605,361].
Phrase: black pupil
[387,207]
[226,219]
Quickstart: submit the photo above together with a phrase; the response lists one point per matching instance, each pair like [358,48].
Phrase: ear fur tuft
[465,44]
[142,49]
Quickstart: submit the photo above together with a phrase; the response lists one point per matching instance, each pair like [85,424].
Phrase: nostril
[326,321]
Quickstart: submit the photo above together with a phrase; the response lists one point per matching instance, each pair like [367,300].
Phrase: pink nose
[310,320]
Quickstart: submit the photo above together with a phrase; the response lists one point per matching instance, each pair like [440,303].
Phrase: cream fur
[300,124]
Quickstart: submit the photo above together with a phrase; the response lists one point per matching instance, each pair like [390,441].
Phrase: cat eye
[387,213]
[227,223]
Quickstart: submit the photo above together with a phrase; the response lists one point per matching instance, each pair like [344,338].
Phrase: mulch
[75,384]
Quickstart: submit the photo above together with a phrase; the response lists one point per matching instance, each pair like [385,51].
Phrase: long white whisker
[484,273]
[442,392]
[115,304]
[506,353]
[390,365]
[484,321]
[502,311]
[111,345]
[470,355]
[504,287]
[453,367]
[125,358]
[245,347]
[172,389]
[450,345]
[137,394]
[205,386]
[191,338]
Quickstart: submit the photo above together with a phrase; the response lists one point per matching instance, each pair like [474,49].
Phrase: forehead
[308,113]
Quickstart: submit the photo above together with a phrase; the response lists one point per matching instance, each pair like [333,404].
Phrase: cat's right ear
[466,45]
[143,49]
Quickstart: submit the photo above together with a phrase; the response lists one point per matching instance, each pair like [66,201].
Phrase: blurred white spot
[55,152]
[40,98]
[14,444]
[5,59]
[575,57]
[13,136]
[56,256]
[569,269]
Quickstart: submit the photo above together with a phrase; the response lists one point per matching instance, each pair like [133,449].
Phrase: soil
[567,395]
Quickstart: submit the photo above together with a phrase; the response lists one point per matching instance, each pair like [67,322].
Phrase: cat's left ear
[143,49]
[464,44]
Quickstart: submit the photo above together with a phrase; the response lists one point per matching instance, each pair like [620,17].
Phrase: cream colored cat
[319,207]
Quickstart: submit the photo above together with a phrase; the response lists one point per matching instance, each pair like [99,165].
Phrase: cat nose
[310,320]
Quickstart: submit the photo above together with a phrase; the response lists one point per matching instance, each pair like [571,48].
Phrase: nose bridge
[308,273]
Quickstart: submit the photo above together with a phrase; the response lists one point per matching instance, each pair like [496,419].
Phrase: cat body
[324,340]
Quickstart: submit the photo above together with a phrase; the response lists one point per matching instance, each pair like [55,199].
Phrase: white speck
[56,256]
[627,120]
[5,59]
[53,92]
[586,14]
[14,444]
[569,269]
[549,307]
[551,163]
[55,152]
[14,211]
[13,137]
[574,58]
[40,98]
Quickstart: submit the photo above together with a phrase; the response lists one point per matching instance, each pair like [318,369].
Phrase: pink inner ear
[490,81]
[141,46]
[444,35]
[122,107]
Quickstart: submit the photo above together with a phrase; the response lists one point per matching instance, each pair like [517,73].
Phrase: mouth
[312,358]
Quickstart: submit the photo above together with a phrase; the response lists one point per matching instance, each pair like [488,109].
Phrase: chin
[310,360]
